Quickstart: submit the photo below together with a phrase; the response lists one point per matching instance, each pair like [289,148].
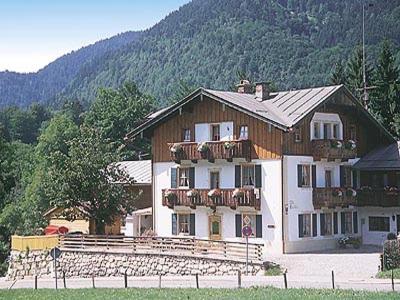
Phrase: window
[243,132]
[326,223]
[317,130]
[346,176]
[183,177]
[214,180]
[353,132]
[304,175]
[183,224]
[348,222]
[336,132]
[186,135]
[215,133]
[327,130]
[248,175]
[249,220]
[328,178]
[305,225]
[379,224]
[298,135]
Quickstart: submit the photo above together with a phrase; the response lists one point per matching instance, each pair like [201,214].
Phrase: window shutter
[299,175]
[259,226]
[322,223]
[342,181]
[257,176]
[314,176]
[192,224]
[301,234]
[174,224]
[191,178]
[174,179]
[335,223]
[238,224]
[314,224]
[355,222]
[342,223]
[238,176]
[354,179]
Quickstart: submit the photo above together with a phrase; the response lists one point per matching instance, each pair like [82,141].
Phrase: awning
[386,158]
[143,212]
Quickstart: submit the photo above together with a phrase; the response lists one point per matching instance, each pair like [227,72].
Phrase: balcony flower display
[176,148]
[171,197]
[337,192]
[336,144]
[366,188]
[351,192]
[229,145]
[192,194]
[214,193]
[238,193]
[203,147]
[391,190]
[350,145]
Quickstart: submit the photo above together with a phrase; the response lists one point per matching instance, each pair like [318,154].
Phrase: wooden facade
[266,139]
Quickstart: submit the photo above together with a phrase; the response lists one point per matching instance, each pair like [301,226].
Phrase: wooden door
[214,223]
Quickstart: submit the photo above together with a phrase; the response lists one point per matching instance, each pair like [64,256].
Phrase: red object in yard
[52,229]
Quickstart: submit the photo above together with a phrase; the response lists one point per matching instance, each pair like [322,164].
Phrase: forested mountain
[23,89]
[294,43]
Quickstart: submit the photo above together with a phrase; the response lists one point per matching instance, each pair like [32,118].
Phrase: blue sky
[36,32]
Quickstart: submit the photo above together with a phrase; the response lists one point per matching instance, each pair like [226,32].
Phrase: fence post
[392,281]
[285,279]
[333,280]
[193,245]
[93,281]
[35,282]
[197,281]
[64,281]
[159,281]
[239,279]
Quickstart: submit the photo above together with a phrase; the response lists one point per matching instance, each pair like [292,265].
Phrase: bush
[391,236]
[391,254]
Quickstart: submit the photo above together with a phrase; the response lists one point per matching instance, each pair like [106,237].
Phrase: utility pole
[365,92]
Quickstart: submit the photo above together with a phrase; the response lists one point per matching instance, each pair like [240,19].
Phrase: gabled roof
[139,170]
[283,110]
[382,159]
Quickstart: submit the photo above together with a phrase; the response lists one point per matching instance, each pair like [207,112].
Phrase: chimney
[262,90]
[244,87]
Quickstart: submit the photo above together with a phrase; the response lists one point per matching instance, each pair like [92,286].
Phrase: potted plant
[336,144]
[229,148]
[214,195]
[391,190]
[351,192]
[365,189]
[337,192]
[171,197]
[350,145]
[193,195]
[203,148]
[238,193]
[176,150]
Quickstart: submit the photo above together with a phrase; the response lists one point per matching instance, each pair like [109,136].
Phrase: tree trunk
[100,227]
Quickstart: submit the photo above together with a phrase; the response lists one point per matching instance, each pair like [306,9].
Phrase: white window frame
[309,235]
[319,119]
[242,175]
[211,131]
[309,184]
[178,224]
[185,137]
[330,227]
[245,131]
[179,178]
[253,217]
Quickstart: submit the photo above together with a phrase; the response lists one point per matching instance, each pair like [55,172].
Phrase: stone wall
[86,264]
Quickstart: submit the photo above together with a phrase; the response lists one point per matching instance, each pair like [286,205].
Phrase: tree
[114,113]
[338,75]
[386,97]
[182,90]
[86,182]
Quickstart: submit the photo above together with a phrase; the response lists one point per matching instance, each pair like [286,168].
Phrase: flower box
[351,192]
[336,144]
[337,193]
[350,145]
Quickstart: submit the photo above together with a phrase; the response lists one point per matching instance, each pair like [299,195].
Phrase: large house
[280,162]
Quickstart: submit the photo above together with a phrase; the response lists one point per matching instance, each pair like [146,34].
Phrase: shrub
[391,236]
[391,254]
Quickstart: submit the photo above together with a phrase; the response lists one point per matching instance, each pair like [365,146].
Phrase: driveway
[358,264]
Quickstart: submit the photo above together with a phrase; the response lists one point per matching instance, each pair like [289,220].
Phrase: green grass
[273,271]
[388,274]
[252,293]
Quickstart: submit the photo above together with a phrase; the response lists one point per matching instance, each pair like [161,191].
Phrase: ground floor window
[183,224]
[326,223]
[248,219]
[305,225]
[347,222]
[379,224]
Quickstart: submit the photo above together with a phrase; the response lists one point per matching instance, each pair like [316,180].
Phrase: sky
[34,33]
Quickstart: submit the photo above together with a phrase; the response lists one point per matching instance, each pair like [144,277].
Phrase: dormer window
[186,135]
[317,133]
[326,126]
[243,132]
[215,132]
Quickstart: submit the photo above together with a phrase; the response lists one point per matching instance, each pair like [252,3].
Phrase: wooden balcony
[378,197]
[331,150]
[233,198]
[214,150]
[333,197]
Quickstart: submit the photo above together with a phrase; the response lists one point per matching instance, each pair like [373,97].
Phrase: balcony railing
[210,150]
[378,197]
[332,197]
[233,198]
[333,149]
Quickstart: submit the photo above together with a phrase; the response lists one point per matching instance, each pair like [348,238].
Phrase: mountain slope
[23,89]
[292,42]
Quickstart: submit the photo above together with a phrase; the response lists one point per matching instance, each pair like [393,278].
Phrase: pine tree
[338,75]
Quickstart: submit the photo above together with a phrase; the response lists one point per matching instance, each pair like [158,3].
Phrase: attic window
[298,135]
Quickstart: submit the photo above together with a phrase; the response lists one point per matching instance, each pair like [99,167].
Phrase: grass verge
[388,274]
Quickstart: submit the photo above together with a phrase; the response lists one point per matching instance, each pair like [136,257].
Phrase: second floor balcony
[380,197]
[210,151]
[233,198]
[333,149]
[331,197]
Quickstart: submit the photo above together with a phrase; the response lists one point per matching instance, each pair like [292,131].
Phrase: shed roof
[382,159]
[139,170]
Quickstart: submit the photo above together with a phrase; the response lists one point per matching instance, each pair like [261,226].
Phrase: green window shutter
[314,176]
[192,224]
[259,226]
[342,223]
[238,177]
[354,179]
[191,178]
[342,181]
[335,223]
[238,225]
[314,224]
[301,233]
[299,175]
[174,178]
[355,222]
[258,176]
[174,224]
[322,223]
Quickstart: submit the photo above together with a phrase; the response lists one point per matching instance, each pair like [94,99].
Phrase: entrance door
[214,222]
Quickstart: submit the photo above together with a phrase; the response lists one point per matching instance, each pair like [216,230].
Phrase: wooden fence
[41,242]
[164,245]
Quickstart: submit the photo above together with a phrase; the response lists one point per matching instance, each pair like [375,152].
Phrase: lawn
[252,293]
[388,274]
